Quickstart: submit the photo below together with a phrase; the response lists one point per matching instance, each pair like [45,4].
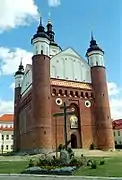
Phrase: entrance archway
[73,141]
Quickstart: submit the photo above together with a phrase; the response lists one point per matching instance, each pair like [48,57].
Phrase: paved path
[31,177]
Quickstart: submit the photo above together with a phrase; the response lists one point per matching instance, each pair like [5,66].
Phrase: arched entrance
[73,141]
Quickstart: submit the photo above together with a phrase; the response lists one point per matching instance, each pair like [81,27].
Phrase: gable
[68,65]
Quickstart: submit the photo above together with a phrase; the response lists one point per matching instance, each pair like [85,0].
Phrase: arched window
[76,93]
[54,91]
[86,94]
[42,49]
[71,93]
[82,95]
[60,92]
[36,49]
[66,92]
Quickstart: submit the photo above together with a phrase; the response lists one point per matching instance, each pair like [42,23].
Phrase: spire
[51,33]
[20,69]
[40,31]
[92,37]
[40,20]
[93,45]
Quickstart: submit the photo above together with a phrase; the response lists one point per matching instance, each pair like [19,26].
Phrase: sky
[73,21]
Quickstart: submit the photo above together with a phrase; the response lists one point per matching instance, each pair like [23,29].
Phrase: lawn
[12,166]
[112,167]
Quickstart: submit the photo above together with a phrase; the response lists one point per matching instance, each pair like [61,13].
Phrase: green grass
[12,166]
[112,167]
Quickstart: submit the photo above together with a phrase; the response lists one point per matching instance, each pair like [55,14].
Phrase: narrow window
[60,92]
[71,93]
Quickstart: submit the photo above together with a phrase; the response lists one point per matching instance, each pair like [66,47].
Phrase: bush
[93,165]
[31,163]
[89,162]
[92,146]
[46,162]
[76,162]
[102,162]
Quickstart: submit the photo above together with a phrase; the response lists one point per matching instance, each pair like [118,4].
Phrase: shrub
[89,162]
[76,162]
[43,162]
[102,162]
[93,165]
[83,159]
[92,146]
[31,163]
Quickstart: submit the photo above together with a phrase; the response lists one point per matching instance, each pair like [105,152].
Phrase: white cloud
[6,107]
[113,89]
[54,3]
[16,13]
[115,96]
[10,59]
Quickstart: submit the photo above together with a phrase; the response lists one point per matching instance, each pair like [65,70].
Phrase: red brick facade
[39,130]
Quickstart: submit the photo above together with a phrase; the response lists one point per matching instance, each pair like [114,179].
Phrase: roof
[7,117]
[117,124]
[71,84]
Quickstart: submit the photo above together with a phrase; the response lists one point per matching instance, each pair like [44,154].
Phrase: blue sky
[72,20]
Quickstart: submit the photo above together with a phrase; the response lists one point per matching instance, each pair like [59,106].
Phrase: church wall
[70,95]
[86,130]
[26,121]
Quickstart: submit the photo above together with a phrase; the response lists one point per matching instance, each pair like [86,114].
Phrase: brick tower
[104,132]
[41,95]
[18,82]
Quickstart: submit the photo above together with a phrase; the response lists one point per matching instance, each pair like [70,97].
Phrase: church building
[57,77]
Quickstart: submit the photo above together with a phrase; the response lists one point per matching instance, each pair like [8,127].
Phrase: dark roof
[40,32]
[94,46]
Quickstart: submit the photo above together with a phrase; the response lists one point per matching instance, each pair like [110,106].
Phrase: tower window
[41,51]
[42,48]
[96,63]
